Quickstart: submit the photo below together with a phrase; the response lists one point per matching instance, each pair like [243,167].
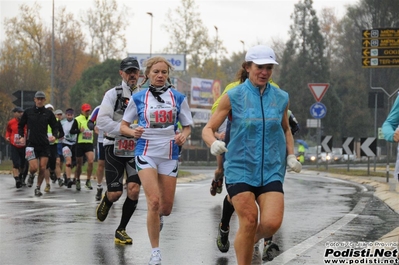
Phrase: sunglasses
[40,98]
[131,71]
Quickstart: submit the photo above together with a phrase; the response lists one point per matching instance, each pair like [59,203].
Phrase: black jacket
[37,120]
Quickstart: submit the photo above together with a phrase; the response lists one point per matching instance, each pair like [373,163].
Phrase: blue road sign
[318,110]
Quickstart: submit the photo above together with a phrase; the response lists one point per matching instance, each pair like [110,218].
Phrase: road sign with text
[318,90]
[380,48]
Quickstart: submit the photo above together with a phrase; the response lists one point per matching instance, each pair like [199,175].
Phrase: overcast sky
[249,21]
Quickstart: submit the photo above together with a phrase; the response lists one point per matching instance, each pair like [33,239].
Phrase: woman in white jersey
[158,109]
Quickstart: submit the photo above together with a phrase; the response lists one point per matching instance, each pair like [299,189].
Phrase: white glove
[218,148]
[294,164]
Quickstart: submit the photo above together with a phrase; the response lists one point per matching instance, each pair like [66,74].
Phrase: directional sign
[326,143]
[380,33]
[371,62]
[368,146]
[380,48]
[348,145]
[318,110]
[318,90]
[24,98]
[383,43]
[380,52]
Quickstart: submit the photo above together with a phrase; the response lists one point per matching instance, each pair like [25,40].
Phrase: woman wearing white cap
[255,170]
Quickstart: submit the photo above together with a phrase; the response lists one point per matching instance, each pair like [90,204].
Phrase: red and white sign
[318,90]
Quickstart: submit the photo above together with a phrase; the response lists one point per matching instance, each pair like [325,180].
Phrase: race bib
[30,153]
[124,147]
[162,118]
[87,135]
[66,152]
[17,140]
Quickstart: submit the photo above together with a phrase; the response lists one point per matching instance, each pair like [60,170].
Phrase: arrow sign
[368,146]
[347,146]
[318,90]
[326,143]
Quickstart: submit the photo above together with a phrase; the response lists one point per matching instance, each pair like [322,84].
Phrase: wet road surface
[61,227]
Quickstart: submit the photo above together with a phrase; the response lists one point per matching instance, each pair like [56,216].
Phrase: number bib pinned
[66,152]
[87,135]
[124,147]
[30,153]
[162,117]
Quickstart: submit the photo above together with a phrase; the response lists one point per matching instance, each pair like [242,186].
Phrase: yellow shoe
[122,238]
[47,188]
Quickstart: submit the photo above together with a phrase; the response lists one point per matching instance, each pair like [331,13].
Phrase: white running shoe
[155,258]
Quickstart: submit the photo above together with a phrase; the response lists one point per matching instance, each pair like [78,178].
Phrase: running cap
[17,109]
[49,106]
[260,55]
[128,63]
[86,107]
[58,111]
[69,111]
[40,94]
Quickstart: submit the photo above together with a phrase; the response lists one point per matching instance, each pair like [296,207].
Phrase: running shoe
[47,188]
[53,177]
[222,240]
[23,179]
[88,184]
[155,258]
[160,223]
[102,210]
[30,180]
[60,182]
[270,251]
[99,194]
[78,184]
[38,193]
[122,237]
[18,183]
[69,183]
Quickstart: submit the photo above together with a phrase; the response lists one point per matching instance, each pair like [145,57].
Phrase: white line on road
[295,252]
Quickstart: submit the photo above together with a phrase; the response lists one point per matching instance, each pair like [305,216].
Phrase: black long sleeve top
[37,121]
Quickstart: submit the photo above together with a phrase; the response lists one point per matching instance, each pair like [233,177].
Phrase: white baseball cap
[49,106]
[260,55]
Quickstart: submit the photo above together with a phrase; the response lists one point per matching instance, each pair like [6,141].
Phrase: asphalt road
[61,227]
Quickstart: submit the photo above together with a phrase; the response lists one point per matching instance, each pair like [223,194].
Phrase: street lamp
[150,14]
[243,45]
[216,49]
[52,61]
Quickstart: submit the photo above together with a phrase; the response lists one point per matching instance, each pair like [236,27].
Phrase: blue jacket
[392,122]
[257,148]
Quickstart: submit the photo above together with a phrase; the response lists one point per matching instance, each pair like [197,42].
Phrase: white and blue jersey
[159,121]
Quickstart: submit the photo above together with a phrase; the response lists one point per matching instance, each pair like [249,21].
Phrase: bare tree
[106,24]
[189,36]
